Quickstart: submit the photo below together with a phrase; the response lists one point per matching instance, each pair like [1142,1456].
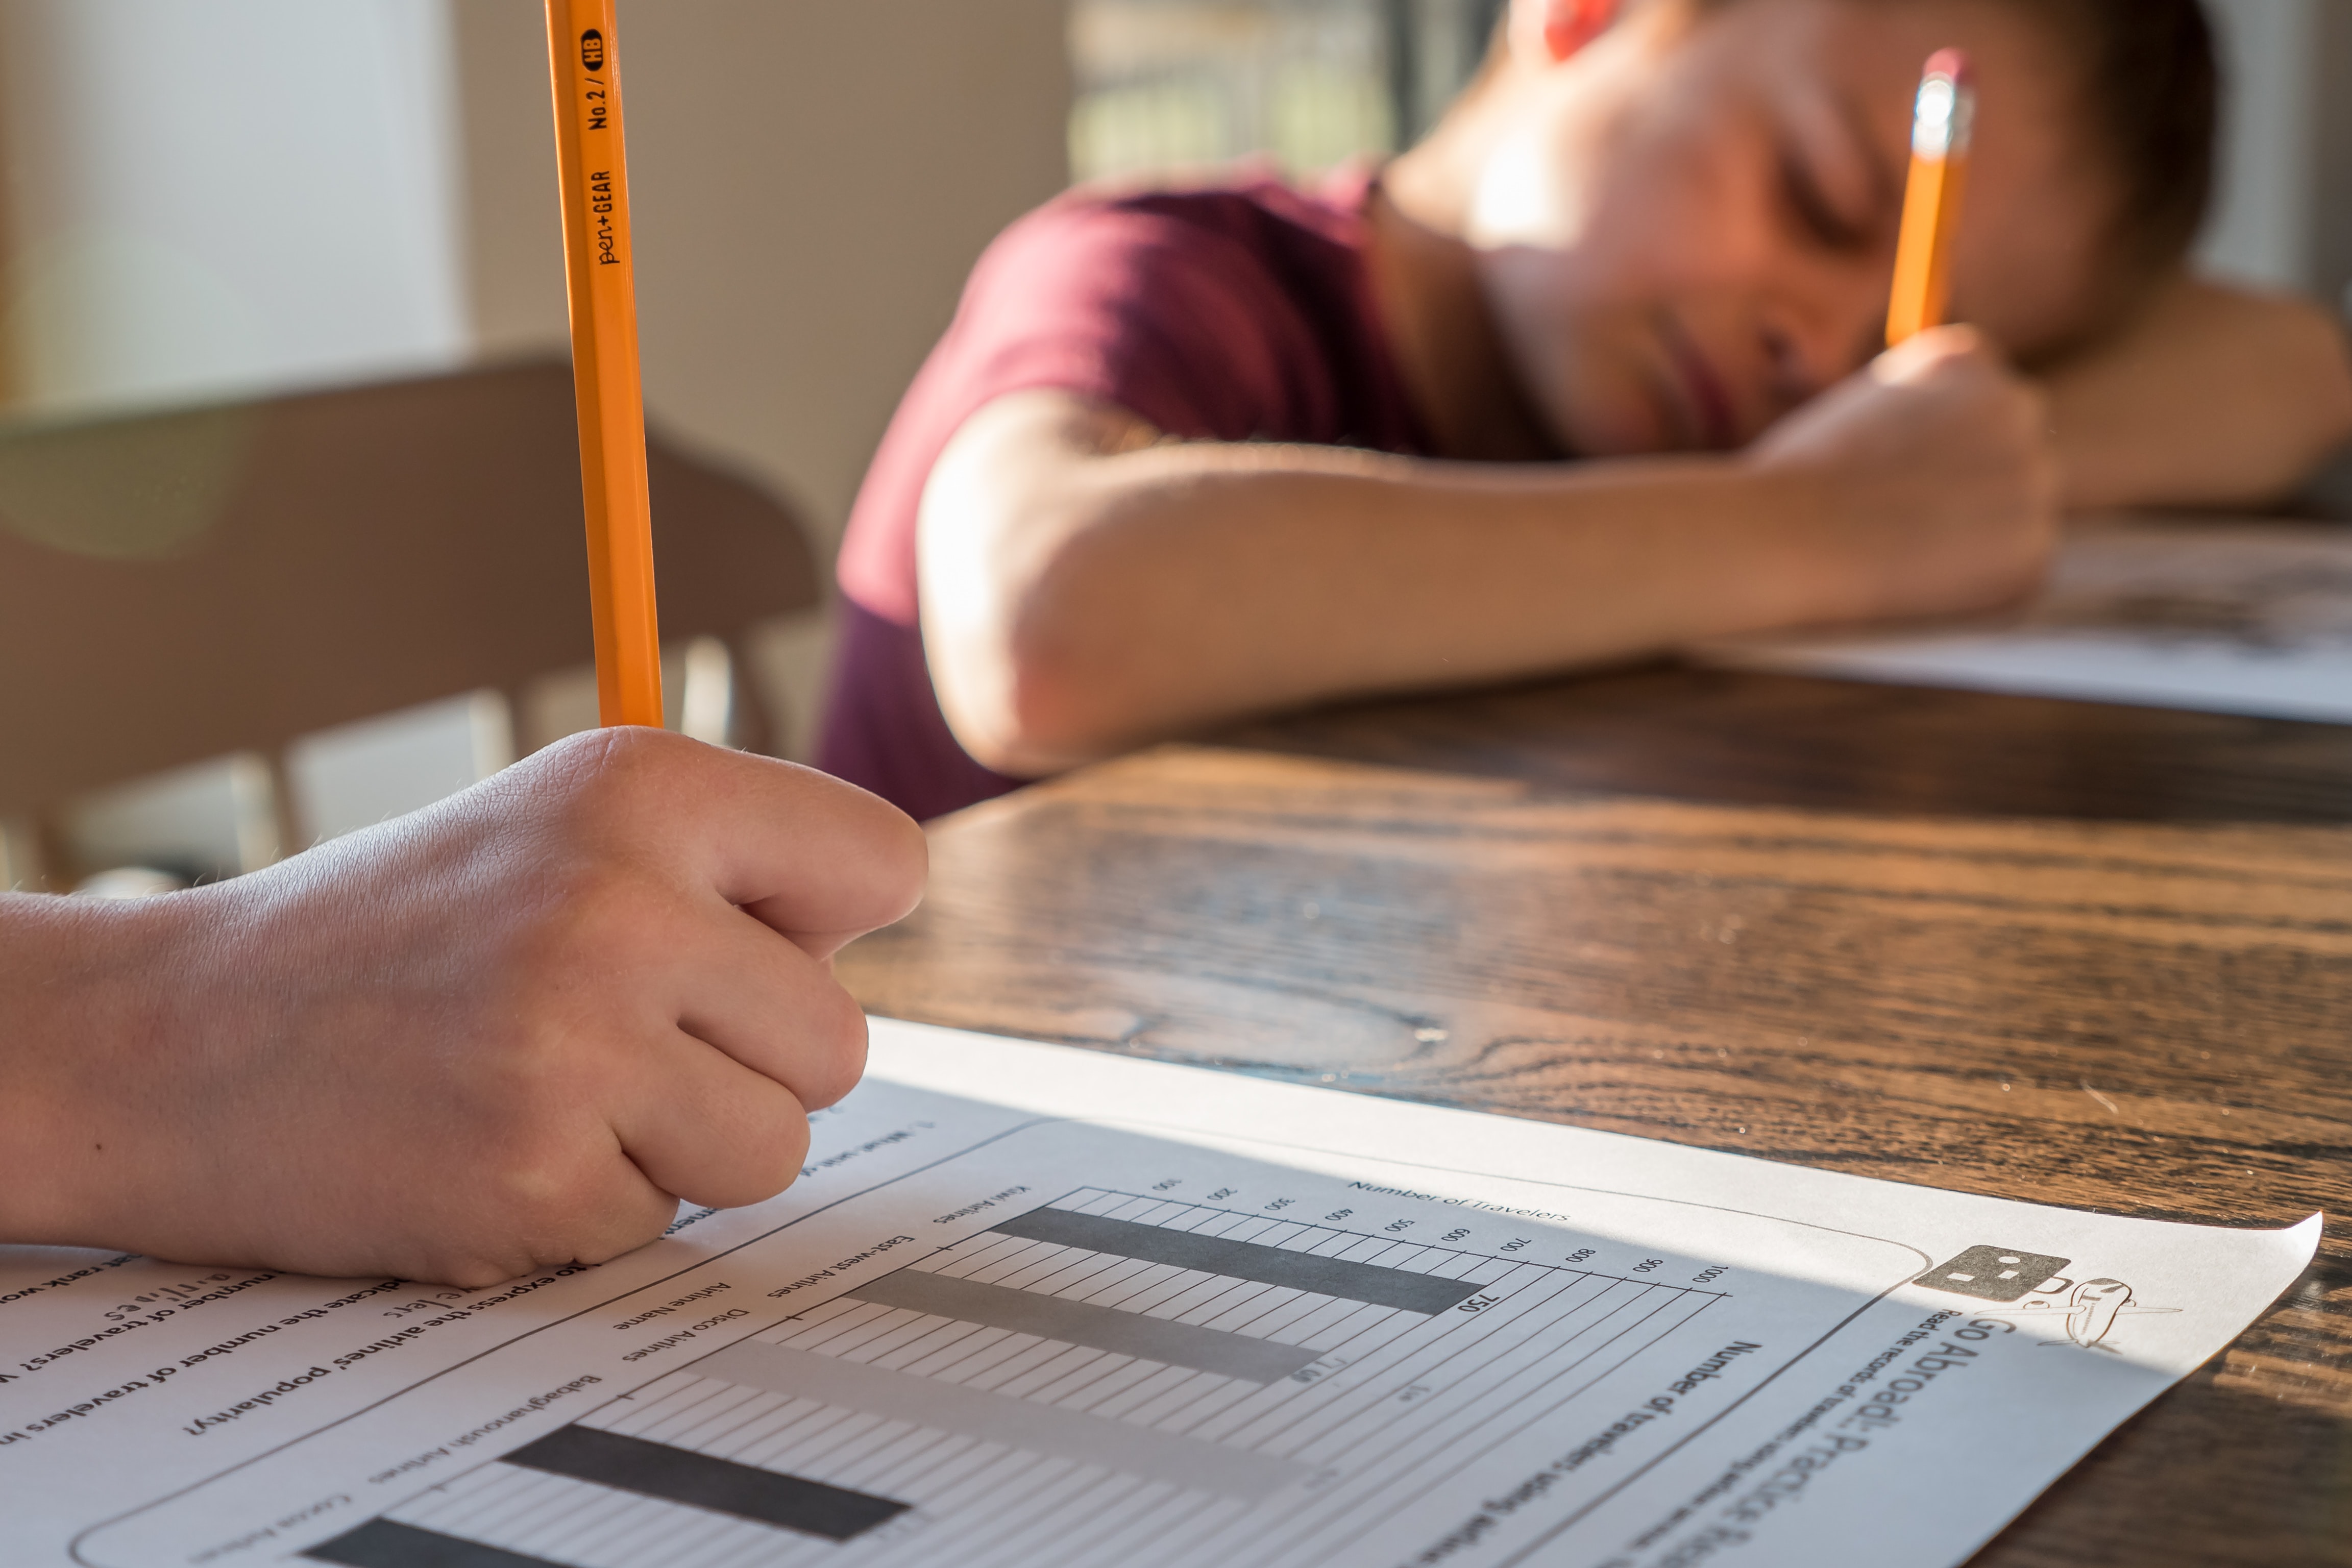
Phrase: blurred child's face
[1687,227]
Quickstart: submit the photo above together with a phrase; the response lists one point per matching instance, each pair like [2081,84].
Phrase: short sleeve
[1175,307]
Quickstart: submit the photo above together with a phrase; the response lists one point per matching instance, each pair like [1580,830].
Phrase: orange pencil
[1943,123]
[603,283]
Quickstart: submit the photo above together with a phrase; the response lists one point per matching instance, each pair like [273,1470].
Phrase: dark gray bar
[1364,1283]
[381,1544]
[1077,1323]
[697,1480]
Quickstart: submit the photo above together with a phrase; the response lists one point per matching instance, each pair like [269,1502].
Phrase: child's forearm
[2213,397]
[1207,582]
[73,988]
[1083,593]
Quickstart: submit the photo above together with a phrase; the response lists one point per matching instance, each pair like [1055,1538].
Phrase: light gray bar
[1077,1323]
[1001,1418]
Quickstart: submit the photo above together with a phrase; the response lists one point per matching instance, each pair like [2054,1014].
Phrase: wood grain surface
[1772,740]
[1859,940]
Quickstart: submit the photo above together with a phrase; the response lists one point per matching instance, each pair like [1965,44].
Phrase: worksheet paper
[2230,618]
[1039,1306]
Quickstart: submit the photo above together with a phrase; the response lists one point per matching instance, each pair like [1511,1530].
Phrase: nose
[1790,376]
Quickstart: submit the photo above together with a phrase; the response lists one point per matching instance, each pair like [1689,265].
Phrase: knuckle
[832,1049]
[525,1215]
[622,1224]
[570,766]
[771,1146]
[539,1195]
[635,753]
[609,770]
[475,1270]
[599,915]
[501,1086]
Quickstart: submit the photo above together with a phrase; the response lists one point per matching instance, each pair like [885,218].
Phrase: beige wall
[813,179]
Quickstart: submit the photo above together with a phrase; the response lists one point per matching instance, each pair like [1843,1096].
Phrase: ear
[1550,31]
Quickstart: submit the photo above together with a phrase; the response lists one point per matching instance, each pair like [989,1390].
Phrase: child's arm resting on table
[2212,397]
[1086,587]
[511,1031]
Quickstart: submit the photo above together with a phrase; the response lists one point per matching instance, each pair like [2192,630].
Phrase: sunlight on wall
[1167,85]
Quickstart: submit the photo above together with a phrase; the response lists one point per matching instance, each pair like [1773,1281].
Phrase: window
[1168,85]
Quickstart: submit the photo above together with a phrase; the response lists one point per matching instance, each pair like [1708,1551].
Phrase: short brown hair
[2150,98]
[2151,92]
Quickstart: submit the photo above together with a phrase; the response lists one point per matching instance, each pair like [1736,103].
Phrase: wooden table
[2047,950]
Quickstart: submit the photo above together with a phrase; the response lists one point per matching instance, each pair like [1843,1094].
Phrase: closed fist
[1934,477]
[510,1031]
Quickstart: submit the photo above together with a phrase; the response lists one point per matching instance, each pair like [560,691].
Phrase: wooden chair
[178,586]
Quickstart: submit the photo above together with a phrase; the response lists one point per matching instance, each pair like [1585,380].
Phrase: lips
[1706,401]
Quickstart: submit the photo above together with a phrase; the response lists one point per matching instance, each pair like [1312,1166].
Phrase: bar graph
[1108,1378]
[746,1491]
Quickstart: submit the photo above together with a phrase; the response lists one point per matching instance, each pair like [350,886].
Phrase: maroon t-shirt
[1236,313]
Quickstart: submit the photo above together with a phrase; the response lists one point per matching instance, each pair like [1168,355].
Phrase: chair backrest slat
[177,586]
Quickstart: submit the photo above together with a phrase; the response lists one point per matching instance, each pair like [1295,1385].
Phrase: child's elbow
[2308,362]
[2331,380]
[1030,700]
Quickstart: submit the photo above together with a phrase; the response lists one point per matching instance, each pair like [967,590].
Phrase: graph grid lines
[1108,1378]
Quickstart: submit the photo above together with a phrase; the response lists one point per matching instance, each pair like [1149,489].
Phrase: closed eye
[1815,214]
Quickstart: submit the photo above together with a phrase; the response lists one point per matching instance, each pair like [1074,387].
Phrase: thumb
[818,861]
[1917,359]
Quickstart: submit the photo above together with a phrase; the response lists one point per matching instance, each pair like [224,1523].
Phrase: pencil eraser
[1944,119]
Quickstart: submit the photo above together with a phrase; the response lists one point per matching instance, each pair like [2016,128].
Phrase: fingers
[622,1210]
[1916,359]
[714,1110]
[1957,372]
[689,896]
[707,1128]
[544,1200]
[815,858]
[760,999]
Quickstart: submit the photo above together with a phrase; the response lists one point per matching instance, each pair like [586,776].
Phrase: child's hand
[511,1031]
[1934,475]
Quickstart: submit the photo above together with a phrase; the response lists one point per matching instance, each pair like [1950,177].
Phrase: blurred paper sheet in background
[2225,617]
